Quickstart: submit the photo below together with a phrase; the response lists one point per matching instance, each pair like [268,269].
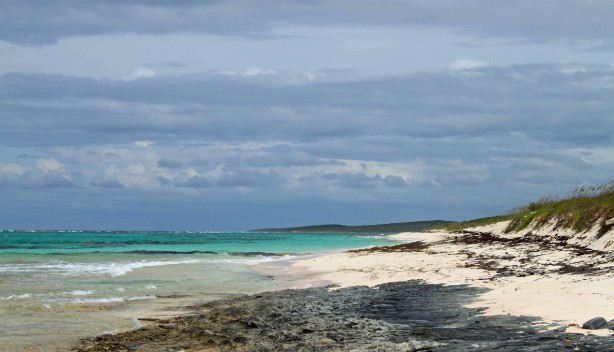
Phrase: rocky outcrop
[401,316]
[595,323]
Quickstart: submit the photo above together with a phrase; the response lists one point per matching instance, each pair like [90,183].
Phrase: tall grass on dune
[584,207]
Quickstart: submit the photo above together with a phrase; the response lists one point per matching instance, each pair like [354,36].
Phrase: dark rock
[595,323]
[609,325]
[240,339]
[561,328]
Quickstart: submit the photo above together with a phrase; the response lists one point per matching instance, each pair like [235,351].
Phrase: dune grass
[582,209]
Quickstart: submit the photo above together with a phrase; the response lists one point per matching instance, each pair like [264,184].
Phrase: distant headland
[412,226]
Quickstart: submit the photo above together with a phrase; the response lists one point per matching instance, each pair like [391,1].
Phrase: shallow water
[58,286]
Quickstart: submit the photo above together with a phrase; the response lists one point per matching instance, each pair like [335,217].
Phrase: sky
[234,115]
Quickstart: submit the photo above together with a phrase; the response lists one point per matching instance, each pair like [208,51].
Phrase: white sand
[564,299]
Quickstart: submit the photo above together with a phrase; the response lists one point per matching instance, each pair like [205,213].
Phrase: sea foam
[109,269]
[80,292]
[15,297]
[111,299]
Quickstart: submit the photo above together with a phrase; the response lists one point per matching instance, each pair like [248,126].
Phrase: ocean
[59,286]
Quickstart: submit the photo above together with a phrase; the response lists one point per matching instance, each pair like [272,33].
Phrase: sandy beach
[558,283]
[478,289]
[527,278]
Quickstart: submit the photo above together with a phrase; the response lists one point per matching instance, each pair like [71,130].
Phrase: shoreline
[526,283]
[558,283]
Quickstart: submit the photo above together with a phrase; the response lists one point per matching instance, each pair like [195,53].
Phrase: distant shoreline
[411,226]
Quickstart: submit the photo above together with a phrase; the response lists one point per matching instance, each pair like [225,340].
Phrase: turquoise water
[75,284]
[65,242]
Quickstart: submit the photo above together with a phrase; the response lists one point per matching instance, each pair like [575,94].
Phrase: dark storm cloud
[515,133]
[253,144]
[169,164]
[35,22]
[547,103]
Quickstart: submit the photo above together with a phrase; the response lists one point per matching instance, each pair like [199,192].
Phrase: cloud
[49,165]
[11,169]
[143,144]
[363,181]
[169,164]
[257,71]
[46,174]
[394,181]
[600,157]
[570,69]
[195,182]
[435,141]
[466,64]
[545,100]
[353,180]
[249,178]
[140,72]
[54,180]
[282,155]
[165,181]
[34,23]
[108,184]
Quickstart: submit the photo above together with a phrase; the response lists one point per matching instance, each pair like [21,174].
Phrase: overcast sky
[230,115]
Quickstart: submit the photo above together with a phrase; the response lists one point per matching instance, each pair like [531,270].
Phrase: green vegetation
[461,225]
[415,226]
[581,210]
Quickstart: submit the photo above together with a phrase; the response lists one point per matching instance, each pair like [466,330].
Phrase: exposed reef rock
[401,316]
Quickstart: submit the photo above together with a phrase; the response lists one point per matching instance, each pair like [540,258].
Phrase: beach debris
[415,246]
[523,256]
[595,323]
